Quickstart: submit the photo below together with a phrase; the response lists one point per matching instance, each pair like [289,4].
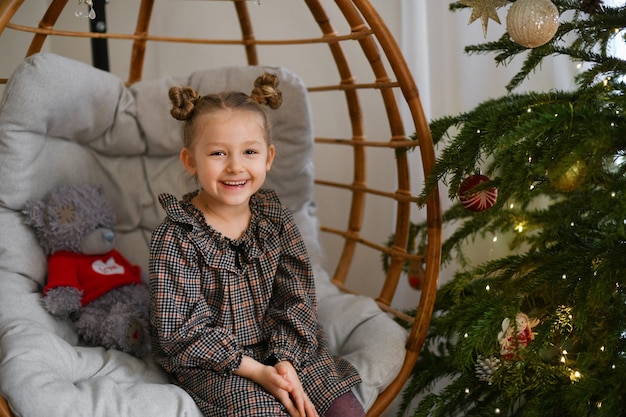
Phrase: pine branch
[588,33]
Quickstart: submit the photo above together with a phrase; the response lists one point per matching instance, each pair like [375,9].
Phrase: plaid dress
[214,300]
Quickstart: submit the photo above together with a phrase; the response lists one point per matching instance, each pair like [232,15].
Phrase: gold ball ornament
[567,175]
[532,23]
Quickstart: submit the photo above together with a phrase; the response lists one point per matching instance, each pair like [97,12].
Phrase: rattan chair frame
[373,36]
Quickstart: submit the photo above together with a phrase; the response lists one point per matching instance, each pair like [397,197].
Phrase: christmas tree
[542,330]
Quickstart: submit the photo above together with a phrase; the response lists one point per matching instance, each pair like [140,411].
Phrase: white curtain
[433,39]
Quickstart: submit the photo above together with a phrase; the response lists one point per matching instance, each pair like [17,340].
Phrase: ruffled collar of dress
[264,224]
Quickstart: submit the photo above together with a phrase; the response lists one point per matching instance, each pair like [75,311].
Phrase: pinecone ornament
[486,367]
[590,6]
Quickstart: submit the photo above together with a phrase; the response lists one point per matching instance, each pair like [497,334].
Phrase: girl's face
[230,157]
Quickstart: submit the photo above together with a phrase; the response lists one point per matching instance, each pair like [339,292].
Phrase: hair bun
[266,91]
[184,100]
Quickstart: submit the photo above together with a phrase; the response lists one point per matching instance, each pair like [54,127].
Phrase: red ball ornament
[415,282]
[416,274]
[477,200]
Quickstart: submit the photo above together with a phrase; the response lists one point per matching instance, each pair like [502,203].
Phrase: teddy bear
[89,282]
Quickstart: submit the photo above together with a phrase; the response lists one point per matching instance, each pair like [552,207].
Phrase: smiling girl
[233,309]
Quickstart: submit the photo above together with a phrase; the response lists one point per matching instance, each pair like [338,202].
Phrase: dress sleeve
[292,317]
[182,326]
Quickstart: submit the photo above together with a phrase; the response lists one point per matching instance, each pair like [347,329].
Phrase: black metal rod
[99,47]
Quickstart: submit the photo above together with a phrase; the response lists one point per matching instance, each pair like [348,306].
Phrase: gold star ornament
[485,10]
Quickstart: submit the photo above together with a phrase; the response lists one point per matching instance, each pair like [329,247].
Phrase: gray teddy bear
[89,282]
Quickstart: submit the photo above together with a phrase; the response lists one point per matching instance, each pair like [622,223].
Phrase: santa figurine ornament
[514,337]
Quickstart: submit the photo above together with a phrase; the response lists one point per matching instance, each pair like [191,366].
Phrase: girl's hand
[302,402]
[272,381]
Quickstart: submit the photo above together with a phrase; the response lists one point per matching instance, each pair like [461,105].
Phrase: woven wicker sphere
[359,84]
[532,23]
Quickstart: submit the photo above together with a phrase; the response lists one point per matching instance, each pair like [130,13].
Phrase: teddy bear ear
[35,214]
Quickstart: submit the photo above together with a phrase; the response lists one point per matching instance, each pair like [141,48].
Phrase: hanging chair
[64,121]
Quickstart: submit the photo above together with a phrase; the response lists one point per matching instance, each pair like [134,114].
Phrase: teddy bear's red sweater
[95,275]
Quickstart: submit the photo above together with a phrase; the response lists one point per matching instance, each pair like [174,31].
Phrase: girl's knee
[345,406]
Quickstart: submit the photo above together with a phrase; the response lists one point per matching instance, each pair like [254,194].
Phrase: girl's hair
[188,105]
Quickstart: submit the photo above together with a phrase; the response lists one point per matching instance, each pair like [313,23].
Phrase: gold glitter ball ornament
[532,23]
[567,175]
